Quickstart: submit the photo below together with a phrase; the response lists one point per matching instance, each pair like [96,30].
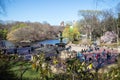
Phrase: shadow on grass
[5,73]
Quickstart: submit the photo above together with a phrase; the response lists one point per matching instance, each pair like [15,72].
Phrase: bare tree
[32,31]
[108,21]
[90,19]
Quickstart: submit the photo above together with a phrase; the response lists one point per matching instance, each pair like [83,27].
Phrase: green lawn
[29,73]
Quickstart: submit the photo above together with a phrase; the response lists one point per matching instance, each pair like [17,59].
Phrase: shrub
[5,73]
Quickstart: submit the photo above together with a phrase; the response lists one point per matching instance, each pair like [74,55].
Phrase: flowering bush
[109,36]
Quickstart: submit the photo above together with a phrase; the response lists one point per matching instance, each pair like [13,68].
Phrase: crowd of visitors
[97,57]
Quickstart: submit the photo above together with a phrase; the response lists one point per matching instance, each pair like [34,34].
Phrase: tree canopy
[71,32]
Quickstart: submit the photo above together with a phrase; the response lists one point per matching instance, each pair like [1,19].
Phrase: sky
[52,11]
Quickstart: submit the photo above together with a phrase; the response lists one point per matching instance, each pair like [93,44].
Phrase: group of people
[97,57]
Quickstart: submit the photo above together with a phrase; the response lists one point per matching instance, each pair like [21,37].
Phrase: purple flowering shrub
[109,36]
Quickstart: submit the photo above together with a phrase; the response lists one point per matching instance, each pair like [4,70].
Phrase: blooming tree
[109,36]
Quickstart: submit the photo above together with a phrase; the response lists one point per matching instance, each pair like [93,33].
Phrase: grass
[75,42]
[29,73]
[112,45]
